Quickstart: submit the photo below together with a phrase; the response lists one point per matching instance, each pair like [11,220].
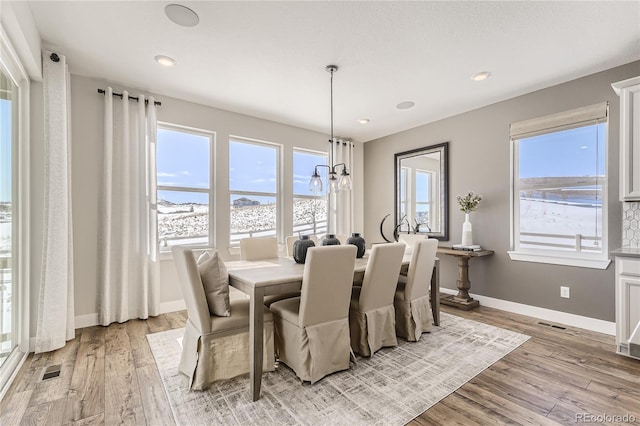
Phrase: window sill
[559,260]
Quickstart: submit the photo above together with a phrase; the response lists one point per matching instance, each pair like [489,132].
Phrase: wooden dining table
[282,275]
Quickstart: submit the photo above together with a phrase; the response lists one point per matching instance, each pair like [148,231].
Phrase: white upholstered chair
[312,331]
[411,302]
[258,248]
[215,347]
[410,240]
[290,240]
[372,320]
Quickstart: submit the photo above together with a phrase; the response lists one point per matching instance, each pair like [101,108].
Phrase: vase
[357,241]
[330,240]
[467,231]
[300,248]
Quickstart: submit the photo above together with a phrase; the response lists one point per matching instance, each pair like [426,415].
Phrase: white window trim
[583,260]
[235,248]
[11,62]
[165,252]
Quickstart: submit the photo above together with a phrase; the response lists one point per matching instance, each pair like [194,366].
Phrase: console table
[462,300]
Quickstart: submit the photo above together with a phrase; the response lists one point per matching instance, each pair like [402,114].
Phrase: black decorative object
[330,240]
[300,248]
[357,241]
[382,226]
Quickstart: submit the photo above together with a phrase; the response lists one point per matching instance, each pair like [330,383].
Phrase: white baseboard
[174,305]
[92,319]
[88,320]
[572,320]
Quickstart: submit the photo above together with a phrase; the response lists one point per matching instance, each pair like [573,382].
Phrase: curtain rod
[131,98]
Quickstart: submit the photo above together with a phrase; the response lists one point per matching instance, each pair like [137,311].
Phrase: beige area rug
[390,388]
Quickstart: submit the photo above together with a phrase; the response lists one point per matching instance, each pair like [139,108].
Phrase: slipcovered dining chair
[215,347]
[258,248]
[410,240]
[290,240]
[372,319]
[312,331]
[411,301]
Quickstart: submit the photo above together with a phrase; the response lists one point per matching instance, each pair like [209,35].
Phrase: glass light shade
[344,183]
[315,184]
[333,184]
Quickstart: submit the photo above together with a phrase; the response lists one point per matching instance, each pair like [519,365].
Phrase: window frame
[549,256]
[210,191]
[295,196]
[277,195]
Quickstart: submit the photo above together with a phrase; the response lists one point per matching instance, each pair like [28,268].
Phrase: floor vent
[559,327]
[51,372]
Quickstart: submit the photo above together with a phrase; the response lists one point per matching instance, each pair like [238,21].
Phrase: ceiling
[267,59]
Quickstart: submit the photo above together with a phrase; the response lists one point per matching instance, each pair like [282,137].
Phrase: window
[253,186]
[416,198]
[309,208]
[183,164]
[559,188]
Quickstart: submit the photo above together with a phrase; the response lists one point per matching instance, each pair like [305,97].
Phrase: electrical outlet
[564,292]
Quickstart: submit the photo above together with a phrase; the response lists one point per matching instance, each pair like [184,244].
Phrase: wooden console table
[462,300]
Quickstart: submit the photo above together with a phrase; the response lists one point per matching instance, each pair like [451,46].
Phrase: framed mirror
[422,191]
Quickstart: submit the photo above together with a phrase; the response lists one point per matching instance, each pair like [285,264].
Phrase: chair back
[421,269]
[258,248]
[192,288]
[326,284]
[381,276]
[290,240]
[411,239]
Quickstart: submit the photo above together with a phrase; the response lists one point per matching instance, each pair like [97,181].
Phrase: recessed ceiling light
[363,120]
[165,60]
[181,15]
[479,76]
[405,105]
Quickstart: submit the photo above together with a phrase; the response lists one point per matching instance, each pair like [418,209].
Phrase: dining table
[283,275]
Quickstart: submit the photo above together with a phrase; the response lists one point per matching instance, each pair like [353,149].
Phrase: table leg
[463,282]
[256,337]
[435,293]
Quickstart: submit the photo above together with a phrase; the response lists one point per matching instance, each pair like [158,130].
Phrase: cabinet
[628,306]
[629,92]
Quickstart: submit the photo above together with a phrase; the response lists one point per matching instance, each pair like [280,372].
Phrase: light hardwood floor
[109,377]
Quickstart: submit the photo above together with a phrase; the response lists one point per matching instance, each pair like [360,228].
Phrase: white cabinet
[628,306]
[629,92]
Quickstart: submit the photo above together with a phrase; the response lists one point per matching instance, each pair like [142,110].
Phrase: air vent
[51,372]
[559,327]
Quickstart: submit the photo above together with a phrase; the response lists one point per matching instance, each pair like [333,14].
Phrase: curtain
[55,323]
[343,153]
[127,243]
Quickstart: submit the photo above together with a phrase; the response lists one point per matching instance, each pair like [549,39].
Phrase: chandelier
[335,183]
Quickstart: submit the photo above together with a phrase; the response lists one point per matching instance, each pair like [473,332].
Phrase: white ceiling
[267,59]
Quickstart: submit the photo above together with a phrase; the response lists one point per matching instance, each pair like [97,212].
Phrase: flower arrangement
[469,202]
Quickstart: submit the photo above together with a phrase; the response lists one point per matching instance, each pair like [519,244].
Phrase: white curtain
[343,153]
[55,302]
[127,246]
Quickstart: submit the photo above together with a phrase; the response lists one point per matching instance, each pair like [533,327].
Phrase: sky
[566,153]
[183,160]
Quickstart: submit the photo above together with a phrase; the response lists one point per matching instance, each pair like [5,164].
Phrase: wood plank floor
[109,377]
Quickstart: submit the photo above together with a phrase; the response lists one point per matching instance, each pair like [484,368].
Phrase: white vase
[467,231]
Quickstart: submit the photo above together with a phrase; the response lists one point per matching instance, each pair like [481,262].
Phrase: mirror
[422,191]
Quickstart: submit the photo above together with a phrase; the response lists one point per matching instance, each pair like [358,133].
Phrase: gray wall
[479,161]
[87,125]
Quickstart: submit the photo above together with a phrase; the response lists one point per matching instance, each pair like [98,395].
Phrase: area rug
[392,387]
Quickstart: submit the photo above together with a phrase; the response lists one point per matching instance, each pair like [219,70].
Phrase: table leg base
[452,300]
